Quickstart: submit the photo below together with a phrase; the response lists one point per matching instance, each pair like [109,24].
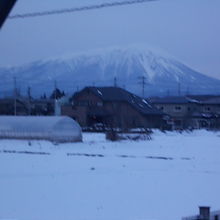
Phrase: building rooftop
[119,94]
[171,100]
[202,99]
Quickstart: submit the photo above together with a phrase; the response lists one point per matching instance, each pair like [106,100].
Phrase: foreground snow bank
[164,178]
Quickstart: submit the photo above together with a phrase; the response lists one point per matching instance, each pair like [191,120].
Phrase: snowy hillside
[162,72]
[102,180]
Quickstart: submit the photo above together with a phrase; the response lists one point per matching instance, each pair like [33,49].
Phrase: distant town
[100,108]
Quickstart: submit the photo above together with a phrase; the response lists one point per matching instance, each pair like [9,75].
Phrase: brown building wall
[88,108]
[126,116]
[87,98]
[78,113]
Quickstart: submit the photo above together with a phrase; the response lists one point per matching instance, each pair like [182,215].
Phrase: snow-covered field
[162,179]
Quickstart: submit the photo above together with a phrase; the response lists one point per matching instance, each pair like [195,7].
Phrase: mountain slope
[162,73]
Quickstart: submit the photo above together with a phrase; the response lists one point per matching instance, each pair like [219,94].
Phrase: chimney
[204,213]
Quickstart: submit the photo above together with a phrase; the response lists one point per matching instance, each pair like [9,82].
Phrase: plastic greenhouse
[52,128]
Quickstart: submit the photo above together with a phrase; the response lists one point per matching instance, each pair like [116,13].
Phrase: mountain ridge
[163,73]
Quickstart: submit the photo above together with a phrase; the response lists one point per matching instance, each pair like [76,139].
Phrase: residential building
[190,111]
[204,214]
[113,107]
[180,109]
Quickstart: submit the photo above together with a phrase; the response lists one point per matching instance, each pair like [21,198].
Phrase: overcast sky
[187,29]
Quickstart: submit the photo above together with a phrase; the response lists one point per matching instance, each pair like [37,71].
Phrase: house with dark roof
[113,107]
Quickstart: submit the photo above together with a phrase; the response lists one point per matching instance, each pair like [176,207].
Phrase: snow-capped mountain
[125,67]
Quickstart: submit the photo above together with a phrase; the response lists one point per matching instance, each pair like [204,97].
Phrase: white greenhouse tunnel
[52,128]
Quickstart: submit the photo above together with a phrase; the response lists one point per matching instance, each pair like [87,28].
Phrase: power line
[78,9]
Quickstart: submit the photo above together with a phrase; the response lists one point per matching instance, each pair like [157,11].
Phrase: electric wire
[78,9]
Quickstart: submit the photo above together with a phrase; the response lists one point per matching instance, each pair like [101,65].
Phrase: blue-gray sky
[187,29]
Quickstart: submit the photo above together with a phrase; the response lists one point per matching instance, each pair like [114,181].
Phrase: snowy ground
[162,179]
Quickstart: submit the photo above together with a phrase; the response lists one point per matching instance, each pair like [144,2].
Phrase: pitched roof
[119,94]
[201,99]
[212,101]
[172,100]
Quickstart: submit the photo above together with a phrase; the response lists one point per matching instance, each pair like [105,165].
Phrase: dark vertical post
[143,83]
[15,96]
[187,90]
[143,86]
[29,100]
[5,8]
[115,82]
[55,97]
[179,89]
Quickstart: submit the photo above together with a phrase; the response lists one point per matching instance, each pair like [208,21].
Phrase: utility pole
[15,96]
[55,89]
[188,90]
[143,83]
[55,97]
[29,99]
[29,92]
[115,82]
[179,89]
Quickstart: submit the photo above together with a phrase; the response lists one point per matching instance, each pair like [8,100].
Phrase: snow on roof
[143,100]
[119,94]
[100,93]
[172,100]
